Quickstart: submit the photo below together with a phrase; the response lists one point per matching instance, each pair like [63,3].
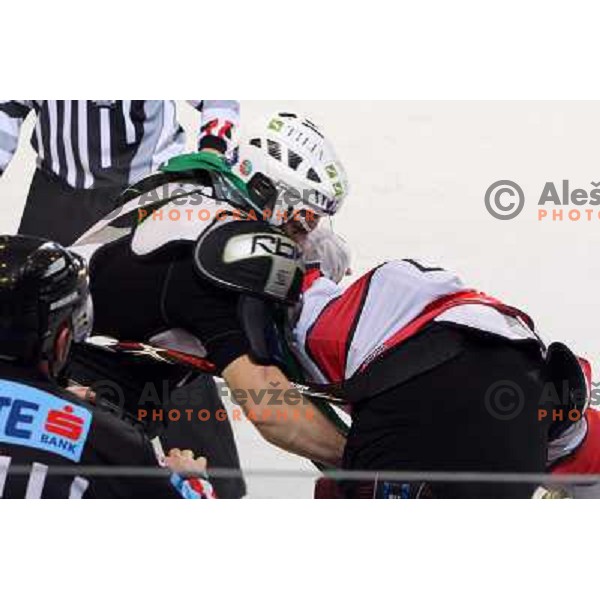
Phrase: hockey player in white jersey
[438,376]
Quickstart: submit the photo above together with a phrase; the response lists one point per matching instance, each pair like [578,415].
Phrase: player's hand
[183,463]
[83,393]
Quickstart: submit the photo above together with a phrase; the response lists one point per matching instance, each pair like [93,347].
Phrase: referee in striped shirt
[89,151]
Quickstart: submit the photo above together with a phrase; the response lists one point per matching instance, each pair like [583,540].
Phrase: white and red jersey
[340,331]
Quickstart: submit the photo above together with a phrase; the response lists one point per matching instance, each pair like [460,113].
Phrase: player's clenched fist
[184,463]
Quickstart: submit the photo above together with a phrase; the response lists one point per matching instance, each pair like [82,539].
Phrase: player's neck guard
[204,161]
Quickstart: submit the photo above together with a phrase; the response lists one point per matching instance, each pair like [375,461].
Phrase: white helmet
[293,154]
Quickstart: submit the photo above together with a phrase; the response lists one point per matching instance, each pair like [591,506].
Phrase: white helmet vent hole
[313,176]
[294,160]
[274,149]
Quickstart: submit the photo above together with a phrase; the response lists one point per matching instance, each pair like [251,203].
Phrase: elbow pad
[267,346]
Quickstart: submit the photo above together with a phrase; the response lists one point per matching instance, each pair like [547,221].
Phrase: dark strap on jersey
[222,190]
[157,180]
[432,347]
[251,257]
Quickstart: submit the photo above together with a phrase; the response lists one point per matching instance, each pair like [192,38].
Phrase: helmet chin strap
[304,222]
[57,370]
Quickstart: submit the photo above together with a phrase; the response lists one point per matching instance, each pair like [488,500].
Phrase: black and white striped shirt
[110,143]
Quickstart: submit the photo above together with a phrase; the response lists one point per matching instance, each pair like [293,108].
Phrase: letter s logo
[64,423]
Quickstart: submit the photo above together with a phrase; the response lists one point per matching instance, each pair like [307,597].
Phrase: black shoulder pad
[566,375]
[251,257]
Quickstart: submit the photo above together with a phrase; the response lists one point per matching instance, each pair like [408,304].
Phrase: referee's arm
[12,115]
[220,119]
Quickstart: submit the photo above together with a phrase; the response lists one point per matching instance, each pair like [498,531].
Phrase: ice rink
[419,172]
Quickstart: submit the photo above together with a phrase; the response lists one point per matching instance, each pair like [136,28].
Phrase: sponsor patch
[246,168]
[331,171]
[36,419]
[276,125]
[338,189]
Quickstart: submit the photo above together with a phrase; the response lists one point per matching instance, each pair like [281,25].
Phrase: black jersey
[43,427]
[140,298]
[146,276]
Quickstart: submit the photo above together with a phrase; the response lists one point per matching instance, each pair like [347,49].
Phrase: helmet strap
[262,192]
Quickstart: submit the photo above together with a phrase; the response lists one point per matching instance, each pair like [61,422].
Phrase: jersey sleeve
[219,123]
[207,312]
[174,486]
[196,488]
[117,443]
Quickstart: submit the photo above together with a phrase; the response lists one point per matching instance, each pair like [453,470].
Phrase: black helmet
[42,285]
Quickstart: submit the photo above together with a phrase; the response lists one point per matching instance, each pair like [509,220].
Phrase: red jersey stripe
[328,339]
[311,275]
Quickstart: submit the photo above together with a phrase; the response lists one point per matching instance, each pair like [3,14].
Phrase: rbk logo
[275,245]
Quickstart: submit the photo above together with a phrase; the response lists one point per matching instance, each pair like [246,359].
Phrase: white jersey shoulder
[185,211]
[174,222]
[387,299]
